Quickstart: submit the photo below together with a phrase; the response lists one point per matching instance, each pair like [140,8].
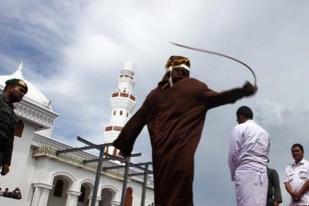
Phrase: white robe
[248,157]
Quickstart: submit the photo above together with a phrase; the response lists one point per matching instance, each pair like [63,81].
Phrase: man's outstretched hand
[249,89]
[5,169]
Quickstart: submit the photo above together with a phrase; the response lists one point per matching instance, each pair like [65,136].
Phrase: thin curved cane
[219,54]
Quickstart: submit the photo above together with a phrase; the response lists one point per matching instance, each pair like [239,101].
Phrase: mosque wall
[22,166]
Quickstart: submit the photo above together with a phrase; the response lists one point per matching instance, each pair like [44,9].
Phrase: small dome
[128,68]
[33,95]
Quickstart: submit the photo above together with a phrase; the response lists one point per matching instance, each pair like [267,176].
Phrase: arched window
[81,198]
[58,188]
[127,114]
[114,113]
[106,197]
[121,112]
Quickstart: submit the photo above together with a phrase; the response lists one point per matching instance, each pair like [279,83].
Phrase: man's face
[297,154]
[238,119]
[16,93]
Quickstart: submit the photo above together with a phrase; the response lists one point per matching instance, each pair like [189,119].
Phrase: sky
[73,52]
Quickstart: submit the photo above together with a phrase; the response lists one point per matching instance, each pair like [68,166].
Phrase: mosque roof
[34,95]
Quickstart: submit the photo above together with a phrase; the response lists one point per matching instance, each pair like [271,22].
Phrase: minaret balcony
[123,94]
[127,76]
[113,128]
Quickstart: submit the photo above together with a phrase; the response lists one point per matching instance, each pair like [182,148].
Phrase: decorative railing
[70,158]
[113,128]
[43,117]
[128,76]
[122,94]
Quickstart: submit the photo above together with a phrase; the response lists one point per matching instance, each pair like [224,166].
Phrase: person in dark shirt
[274,193]
[16,194]
[6,193]
[14,91]
[175,112]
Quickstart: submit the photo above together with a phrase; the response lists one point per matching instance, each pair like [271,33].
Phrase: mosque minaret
[122,103]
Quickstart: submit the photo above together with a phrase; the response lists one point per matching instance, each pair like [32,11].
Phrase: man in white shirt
[248,158]
[296,177]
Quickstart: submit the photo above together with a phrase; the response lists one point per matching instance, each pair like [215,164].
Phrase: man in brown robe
[175,113]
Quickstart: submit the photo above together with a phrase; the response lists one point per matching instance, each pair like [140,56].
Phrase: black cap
[18,82]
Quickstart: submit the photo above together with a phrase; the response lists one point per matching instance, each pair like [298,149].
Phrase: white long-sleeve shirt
[249,147]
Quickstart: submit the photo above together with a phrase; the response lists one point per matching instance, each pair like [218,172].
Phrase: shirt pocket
[303,174]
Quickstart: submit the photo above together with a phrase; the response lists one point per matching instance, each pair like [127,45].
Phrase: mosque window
[81,198]
[106,149]
[114,113]
[58,188]
[121,112]
[115,152]
[127,114]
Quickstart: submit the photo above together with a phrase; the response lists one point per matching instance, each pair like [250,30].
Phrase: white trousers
[251,187]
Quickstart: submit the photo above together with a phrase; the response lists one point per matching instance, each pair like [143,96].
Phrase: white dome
[128,66]
[33,95]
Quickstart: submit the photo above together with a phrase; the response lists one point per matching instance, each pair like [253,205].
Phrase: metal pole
[97,177]
[144,185]
[125,178]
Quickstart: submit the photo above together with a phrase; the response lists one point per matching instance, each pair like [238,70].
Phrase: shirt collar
[249,121]
[299,163]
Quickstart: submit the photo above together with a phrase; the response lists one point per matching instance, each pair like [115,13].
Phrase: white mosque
[47,179]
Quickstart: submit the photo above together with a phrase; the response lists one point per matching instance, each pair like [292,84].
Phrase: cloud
[270,113]
[282,117]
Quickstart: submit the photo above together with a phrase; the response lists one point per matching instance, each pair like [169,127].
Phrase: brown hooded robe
[175,119]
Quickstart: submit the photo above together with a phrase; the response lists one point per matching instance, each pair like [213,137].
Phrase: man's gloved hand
[249,89]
